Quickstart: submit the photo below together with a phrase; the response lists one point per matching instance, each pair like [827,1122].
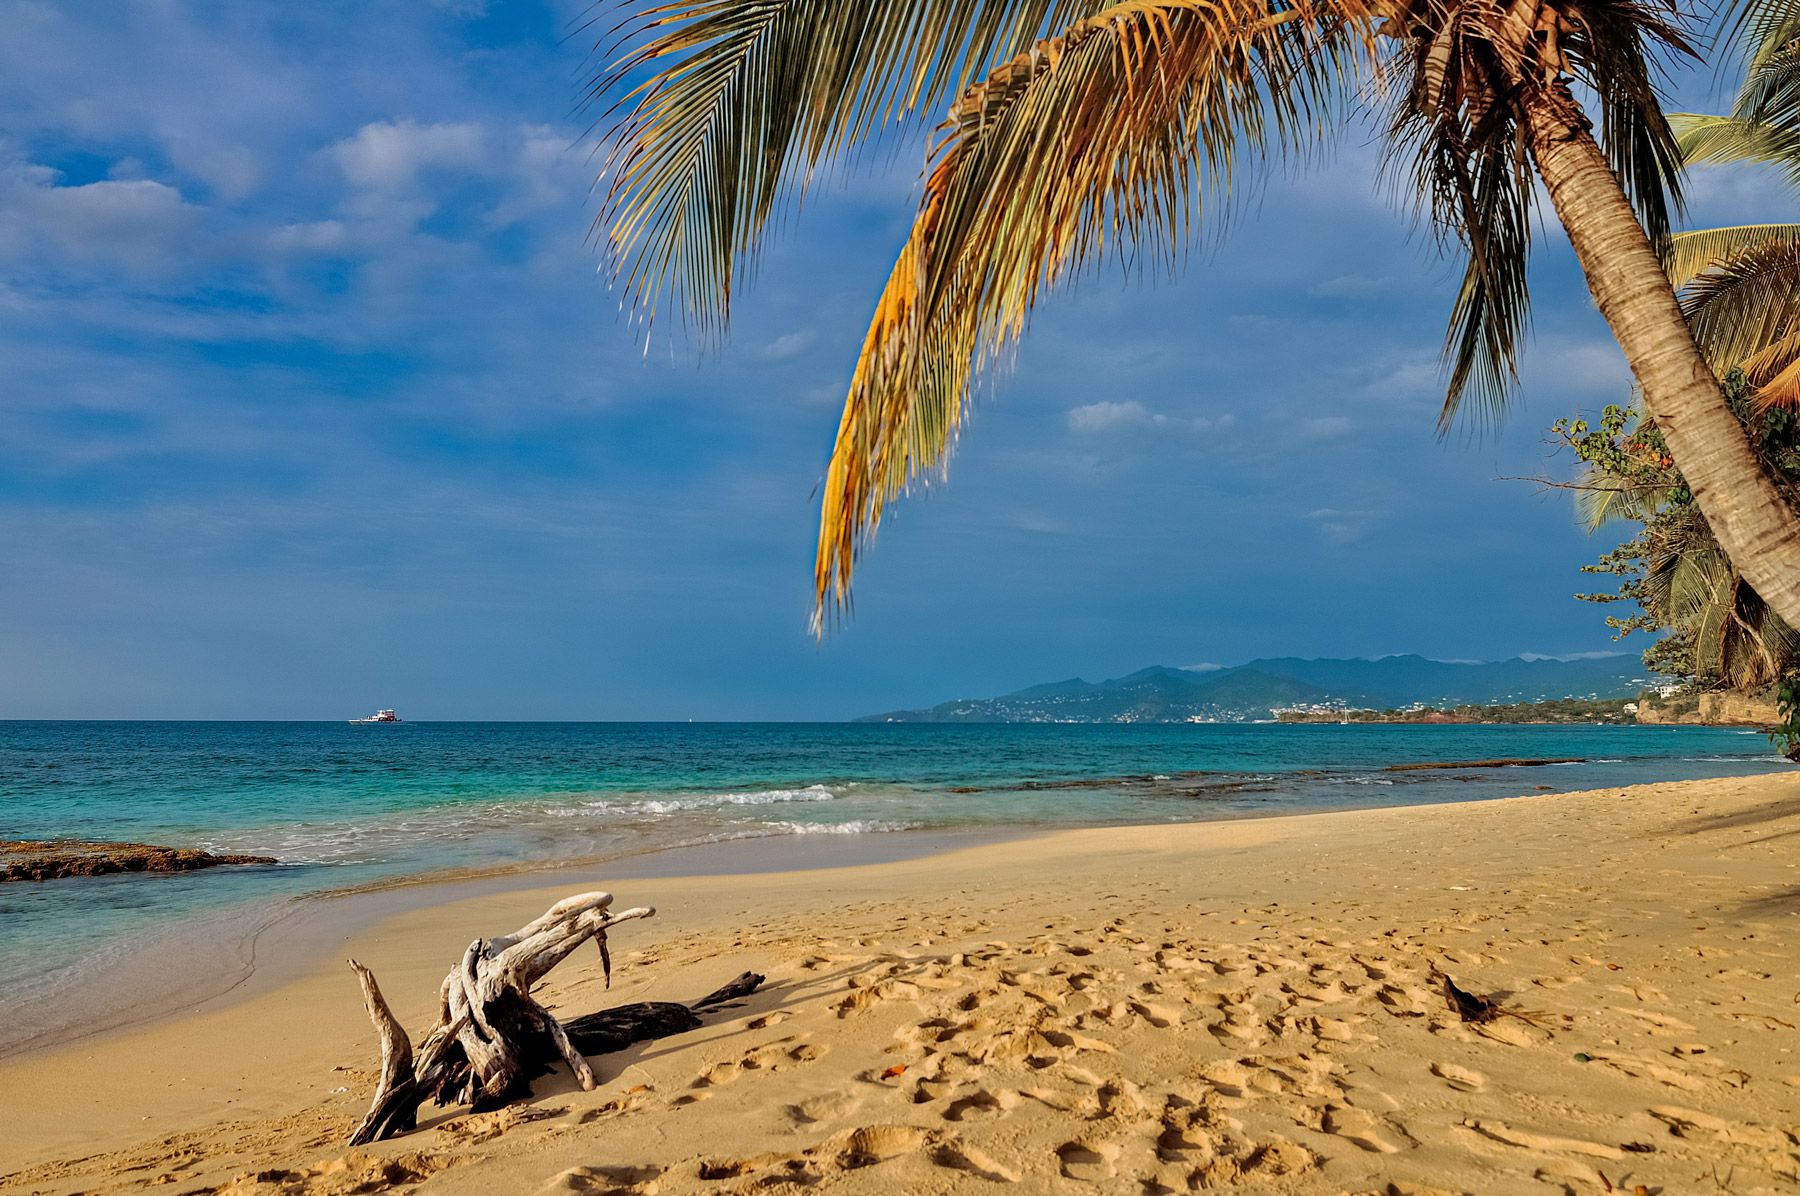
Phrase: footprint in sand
[865,998]
[1459,1078]
[1691,1123]
[631,1102]
[776,1056]
[1546,1143]
[1331,1029]
[852,1150]
[1361,1129]
[978,1104]
[1159,1016]
[959,1157]
[1090,1162]
[606,1181]
[827,1106]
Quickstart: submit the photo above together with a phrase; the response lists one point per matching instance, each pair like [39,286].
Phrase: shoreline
[243,952]
[247,946]
[1187,1004]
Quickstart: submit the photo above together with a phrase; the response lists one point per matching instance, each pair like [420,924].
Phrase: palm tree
[1740,285]
[1083,126]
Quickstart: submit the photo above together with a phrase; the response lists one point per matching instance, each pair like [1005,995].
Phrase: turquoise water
[341,805]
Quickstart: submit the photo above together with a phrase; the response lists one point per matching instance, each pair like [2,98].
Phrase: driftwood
[491,1038]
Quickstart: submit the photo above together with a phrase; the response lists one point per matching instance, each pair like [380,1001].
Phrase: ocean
[343,806]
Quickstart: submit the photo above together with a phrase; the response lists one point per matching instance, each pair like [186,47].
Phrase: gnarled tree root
[492,1039]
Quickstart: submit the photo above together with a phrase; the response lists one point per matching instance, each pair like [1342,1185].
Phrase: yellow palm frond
[1115,134]
[1690,254]
[1745,311]
[1774,370]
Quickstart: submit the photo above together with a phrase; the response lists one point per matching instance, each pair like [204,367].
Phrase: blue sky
[314,401]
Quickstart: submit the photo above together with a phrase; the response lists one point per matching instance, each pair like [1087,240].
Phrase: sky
[314,400]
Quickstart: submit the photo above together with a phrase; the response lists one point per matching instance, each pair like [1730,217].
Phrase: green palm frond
[1113,136]
[728,106]
[1760,28]
[1766,38]
[1601,498]
[1771,90]
[1718,140]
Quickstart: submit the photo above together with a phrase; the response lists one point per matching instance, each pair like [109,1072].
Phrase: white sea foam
[856,826]
[380,839]
[709,801]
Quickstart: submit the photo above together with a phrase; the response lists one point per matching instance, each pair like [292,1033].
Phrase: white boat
[380,716]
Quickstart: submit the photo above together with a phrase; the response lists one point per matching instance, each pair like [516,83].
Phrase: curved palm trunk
[1756,527]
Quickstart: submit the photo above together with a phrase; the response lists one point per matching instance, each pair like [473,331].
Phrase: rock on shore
[52,859]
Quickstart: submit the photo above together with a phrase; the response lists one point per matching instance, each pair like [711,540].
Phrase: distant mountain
[1160,694]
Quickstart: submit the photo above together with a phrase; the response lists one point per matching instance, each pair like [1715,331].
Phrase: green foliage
[1672,575]
[1786,735]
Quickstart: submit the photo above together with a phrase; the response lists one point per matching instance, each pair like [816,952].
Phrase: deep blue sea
[343,805]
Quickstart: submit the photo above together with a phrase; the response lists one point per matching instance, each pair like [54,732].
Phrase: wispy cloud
[1108,416]
[1342,527]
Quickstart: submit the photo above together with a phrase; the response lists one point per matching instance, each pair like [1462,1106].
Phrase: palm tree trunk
[1753,523]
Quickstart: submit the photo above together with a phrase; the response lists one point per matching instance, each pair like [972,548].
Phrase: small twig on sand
[1479,1010]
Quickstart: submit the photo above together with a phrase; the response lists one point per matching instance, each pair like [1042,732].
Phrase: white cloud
[1256,323]
[310,236]
[1355,286]
[389,155]
[1109,416]
[790,344]
[138,224]
[1106,416]
[543,174]
[1325,428]
[1341,527]
[231,170]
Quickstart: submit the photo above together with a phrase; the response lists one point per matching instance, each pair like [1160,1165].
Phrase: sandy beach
[1139,1009]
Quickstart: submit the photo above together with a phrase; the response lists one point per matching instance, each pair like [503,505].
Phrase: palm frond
[727,106]
[1745,309]
[1718,140]
[1765,35]
[1689,254]
[1472,163]
[1615,47]
[1601,498]
[1113,136]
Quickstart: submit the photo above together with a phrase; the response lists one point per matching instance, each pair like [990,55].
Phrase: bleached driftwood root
[492,1038]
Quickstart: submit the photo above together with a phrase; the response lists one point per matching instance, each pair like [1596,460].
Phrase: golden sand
[1131,1010]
